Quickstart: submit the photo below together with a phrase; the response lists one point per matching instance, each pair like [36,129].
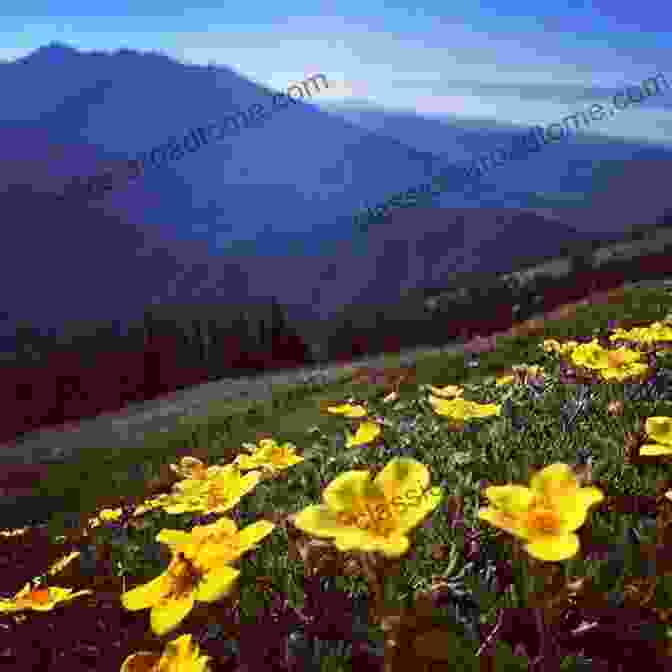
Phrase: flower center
[183,577]
[374,517]
[278,455]
[544,521]
[218,495]
[615,359]
[39,595]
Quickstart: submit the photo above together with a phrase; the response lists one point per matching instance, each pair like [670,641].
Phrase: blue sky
[508,61]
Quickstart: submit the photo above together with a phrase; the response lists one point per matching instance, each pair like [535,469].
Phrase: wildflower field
[506,510]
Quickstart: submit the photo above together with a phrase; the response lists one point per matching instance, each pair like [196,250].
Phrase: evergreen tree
[199,346]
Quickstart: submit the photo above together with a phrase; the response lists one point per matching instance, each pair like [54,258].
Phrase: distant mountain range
[268,212]
[579,180]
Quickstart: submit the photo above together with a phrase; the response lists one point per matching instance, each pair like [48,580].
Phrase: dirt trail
[128,427]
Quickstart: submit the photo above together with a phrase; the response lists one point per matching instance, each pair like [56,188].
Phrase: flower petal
[143,661]
[146,595]
[443,406]
[174,537]
[556,480]
[223,527]
[346,491]
[169,613]
[182,654]
[366,433]
[320,521]
[511,499]
[553,548]
[655,449]
[216,583]
[254,533]
[511,524]
[403,477]
[348,410]
[659,428]
[411,516]
[394,545]
[574,510]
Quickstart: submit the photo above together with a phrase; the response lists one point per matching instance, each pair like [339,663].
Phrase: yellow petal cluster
[348,410]
[657,331]
[172,595]
[658,428]
[199,569]
[180,655]
[212,495]
[616,365]
[152,503]
[366,432]
[214,489]
[359,513]
[546,515]
[39,598]
[462,409]
[192,468]
[217,543]
[269,455]
[104,516]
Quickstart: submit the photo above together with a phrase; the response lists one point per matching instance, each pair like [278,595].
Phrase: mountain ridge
[235,219]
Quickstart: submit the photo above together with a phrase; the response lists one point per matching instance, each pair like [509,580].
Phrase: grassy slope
[96,479]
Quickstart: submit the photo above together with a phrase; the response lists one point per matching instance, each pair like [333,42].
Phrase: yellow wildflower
[659,428]
[270,456]
[220,543]
[213,495]
[657,331]
[182,654]
[192,468]
[348,410]
[39,598]
[461,409]
[504,380]
[171,595]
[154,503]
[104,516]
[377,515]
[611,364]
[366,433]
[546,515]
